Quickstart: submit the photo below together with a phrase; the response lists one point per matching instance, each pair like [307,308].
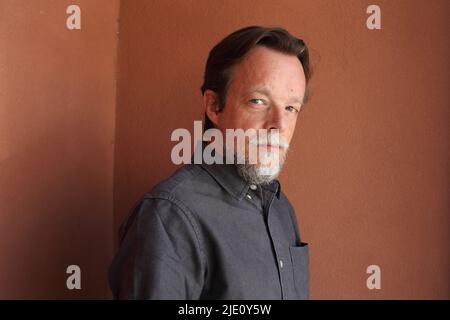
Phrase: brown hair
[230,51]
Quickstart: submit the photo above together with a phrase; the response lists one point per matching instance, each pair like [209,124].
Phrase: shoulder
[179,196]
[166,204]
[191,187]
[184,184]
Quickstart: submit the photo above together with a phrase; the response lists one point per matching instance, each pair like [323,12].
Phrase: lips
[271,147]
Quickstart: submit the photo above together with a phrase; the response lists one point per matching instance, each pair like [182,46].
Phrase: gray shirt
[204,233]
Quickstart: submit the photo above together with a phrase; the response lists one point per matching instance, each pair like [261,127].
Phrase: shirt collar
[227,176]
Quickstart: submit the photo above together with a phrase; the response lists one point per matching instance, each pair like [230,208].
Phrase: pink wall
[57,113]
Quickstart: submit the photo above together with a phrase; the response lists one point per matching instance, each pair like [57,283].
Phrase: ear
[211,106]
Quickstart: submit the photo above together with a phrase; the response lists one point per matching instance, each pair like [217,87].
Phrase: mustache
[271,140]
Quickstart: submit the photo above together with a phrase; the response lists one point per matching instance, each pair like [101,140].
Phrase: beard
[269,164]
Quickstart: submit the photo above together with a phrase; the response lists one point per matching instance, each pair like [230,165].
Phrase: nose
[276,119]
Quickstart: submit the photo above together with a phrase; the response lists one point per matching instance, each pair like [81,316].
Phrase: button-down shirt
[204,233]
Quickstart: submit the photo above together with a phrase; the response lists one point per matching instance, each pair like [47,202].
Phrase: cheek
[227,117]
[289,132]
[238,118]
[246,119]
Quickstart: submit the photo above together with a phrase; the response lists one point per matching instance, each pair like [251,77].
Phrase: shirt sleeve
[160,256]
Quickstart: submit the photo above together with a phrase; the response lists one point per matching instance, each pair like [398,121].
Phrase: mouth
[272,148]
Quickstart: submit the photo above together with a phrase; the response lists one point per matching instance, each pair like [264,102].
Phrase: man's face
[266,92]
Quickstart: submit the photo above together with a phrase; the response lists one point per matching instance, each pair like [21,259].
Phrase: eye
[291,109]
[257,101]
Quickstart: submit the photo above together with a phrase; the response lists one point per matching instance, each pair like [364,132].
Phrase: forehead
[273,70]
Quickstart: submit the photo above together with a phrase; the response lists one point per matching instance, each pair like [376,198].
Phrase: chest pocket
[300,268]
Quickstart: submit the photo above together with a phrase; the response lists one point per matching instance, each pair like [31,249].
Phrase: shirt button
[249,196]
[253,187]
[281,263]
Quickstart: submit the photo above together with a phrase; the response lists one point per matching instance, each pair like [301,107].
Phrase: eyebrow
[266,92]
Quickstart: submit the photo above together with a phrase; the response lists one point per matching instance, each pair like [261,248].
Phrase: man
[227,231]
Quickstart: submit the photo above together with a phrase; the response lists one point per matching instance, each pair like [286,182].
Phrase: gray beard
[253,175]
